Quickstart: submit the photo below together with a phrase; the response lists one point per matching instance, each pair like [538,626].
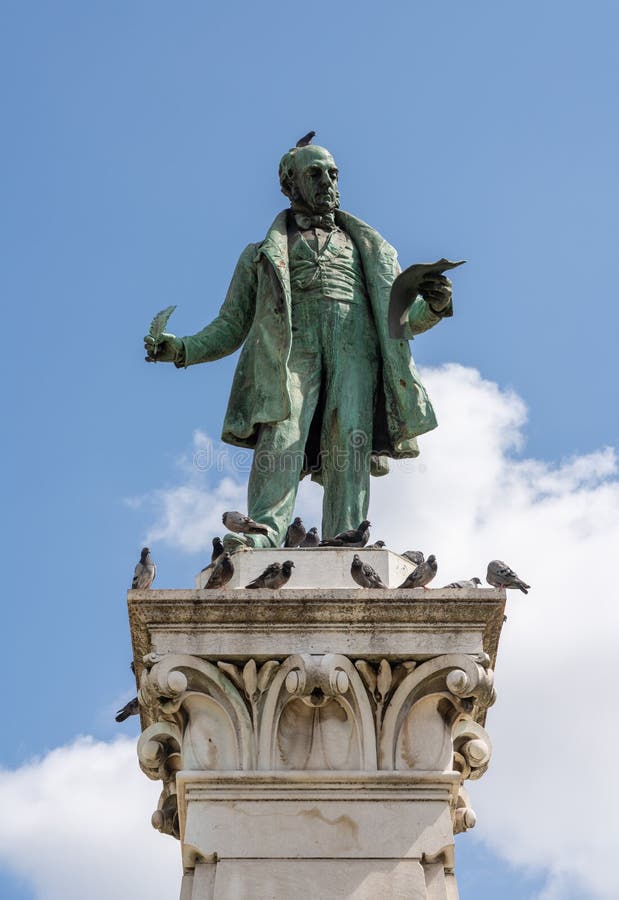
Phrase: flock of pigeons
[221,567]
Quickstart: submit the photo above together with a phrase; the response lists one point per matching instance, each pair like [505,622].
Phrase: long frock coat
[256,313]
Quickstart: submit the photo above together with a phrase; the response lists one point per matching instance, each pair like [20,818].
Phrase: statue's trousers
[333,372]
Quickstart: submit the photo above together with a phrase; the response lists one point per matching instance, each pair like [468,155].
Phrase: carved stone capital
[315,711]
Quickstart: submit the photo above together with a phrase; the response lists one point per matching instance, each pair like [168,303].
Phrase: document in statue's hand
[405,288]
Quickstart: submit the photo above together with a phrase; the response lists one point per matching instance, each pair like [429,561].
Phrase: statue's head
[308,177]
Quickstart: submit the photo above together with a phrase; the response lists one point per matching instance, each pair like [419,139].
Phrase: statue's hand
[166,348]
[436,290]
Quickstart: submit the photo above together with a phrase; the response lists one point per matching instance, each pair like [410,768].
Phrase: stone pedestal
[318,568]
[315,741]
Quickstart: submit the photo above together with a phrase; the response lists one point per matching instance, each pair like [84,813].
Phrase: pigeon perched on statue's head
[306,139]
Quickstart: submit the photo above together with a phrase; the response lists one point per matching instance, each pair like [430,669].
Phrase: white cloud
[189,515]
[76,824]
[549,800]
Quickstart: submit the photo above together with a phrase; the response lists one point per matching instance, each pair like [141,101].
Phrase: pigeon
[306,139]
[218,548]
[240,524]
[377,545]
[470,583]
[365,575]
[499,575]
[311,538]
[144,573]
[295,534]
[131,708]
[274,576]
[223,571]
[358,537]
[422,575]
[415,556]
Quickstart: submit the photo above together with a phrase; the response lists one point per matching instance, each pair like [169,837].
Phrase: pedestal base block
[354,835]
[319,879]
[359,879]
[319,568]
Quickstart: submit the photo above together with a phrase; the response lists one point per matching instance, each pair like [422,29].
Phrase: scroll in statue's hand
[164,348]
[426,279]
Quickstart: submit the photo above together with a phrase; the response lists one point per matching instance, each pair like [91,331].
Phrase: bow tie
[304,221]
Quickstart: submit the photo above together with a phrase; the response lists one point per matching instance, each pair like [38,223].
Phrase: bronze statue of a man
[320,388]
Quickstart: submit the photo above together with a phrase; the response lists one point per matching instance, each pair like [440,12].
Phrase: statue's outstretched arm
[226,332]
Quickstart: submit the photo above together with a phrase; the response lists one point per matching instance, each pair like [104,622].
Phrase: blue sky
[139,152]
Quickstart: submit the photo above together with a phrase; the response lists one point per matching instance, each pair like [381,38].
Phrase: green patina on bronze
[320,387]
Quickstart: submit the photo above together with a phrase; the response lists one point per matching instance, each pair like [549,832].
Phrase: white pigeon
[465,583]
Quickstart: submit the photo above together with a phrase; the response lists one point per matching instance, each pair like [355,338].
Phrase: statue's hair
[287,173]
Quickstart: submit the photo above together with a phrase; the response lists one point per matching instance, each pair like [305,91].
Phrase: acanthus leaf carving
[383,679]
[266,673]
[317,714]
[233,672]
[250,680]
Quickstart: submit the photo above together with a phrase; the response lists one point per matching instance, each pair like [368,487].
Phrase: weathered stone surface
[395,624]
[318,879]
[304,815]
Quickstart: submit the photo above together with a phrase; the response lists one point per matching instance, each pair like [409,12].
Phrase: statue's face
[316,179]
